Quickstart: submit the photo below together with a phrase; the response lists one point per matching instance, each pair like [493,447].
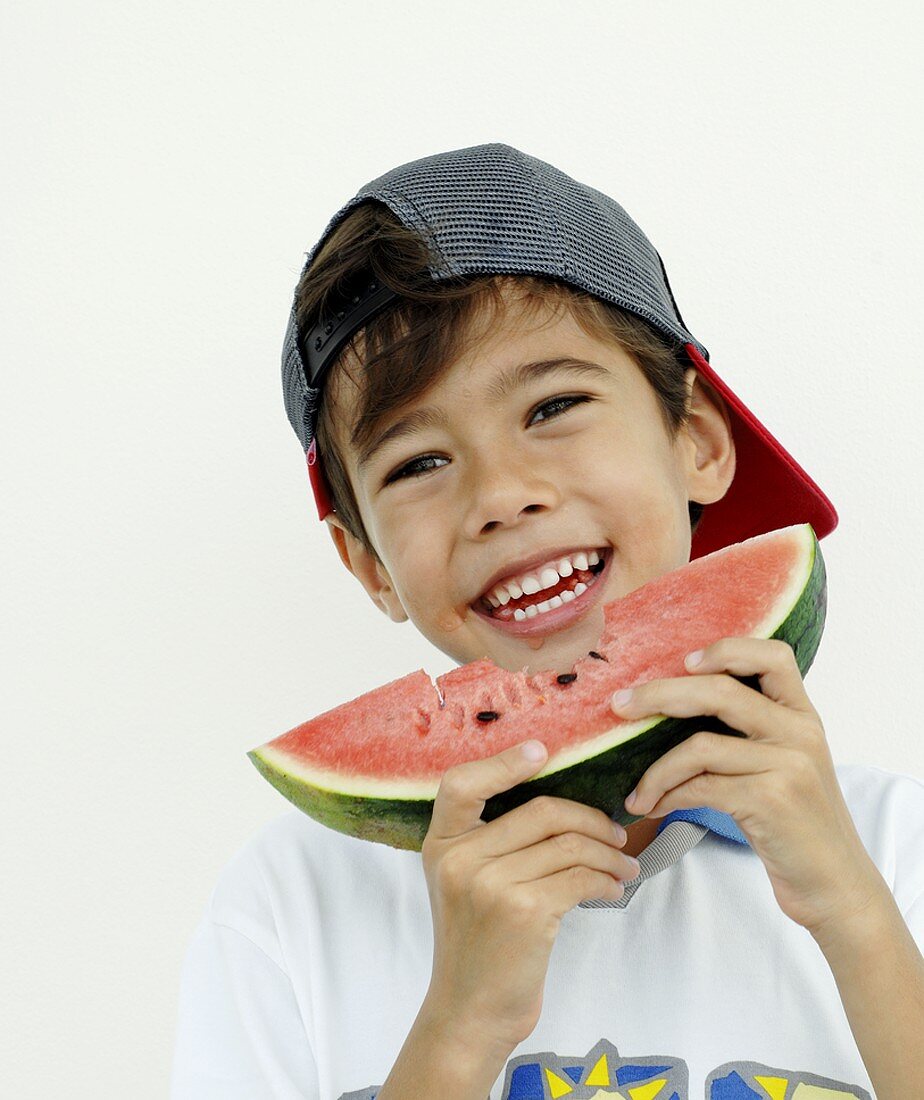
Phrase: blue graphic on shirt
[600,1073]
[603,1073]
[752,1081]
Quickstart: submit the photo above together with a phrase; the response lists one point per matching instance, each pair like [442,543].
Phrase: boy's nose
[502,493]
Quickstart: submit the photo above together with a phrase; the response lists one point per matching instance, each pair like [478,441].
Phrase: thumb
[465,788]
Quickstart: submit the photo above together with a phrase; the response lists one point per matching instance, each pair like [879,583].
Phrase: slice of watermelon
[371,767]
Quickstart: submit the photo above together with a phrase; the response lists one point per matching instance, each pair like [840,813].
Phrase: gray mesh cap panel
[301,400]
[491,209]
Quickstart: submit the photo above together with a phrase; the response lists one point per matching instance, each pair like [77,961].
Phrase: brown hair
[404,350]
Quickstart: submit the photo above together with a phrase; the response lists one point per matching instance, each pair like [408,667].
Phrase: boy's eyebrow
[510,380]
[430,417]
[528,372]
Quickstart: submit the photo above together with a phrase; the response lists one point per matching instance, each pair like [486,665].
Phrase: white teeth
[531,585]
[535,609]
[501,594]
[548,578]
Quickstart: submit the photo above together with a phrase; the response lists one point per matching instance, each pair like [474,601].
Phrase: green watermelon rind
[601,779]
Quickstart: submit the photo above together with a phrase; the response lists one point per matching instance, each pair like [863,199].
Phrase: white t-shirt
[314,954]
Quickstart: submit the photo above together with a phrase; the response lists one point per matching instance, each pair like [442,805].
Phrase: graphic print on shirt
[753,1081]
[598,1074]
[602,1073]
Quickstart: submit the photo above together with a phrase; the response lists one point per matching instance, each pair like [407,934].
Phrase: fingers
[568,888]
[545,880]
[739,706]
[565,851]
[559,852]
[701,757]
[465,788]
[771,660]
[543,818]
[553,852]
[745,682]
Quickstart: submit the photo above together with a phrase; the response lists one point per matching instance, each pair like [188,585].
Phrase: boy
[511,401]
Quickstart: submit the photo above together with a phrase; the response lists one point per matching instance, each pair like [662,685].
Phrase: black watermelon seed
[567,677]
[599,656]
[487,715]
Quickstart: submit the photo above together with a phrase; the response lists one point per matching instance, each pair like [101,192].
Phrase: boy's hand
[778,782]
[499,889]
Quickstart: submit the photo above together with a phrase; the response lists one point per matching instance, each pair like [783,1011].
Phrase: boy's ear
[708,442]
[367,569]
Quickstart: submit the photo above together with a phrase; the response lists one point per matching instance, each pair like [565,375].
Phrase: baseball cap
[492,209]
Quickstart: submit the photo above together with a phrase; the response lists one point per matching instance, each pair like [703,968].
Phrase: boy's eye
[419,465]
[556,406]
[424,463]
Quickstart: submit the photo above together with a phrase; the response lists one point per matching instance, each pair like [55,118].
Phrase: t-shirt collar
[721,823]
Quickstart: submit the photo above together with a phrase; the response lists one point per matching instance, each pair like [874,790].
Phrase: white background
[169,599]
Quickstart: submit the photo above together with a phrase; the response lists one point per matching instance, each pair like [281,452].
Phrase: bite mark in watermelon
[371,767]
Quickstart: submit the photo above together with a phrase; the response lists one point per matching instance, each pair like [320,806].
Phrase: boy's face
[505,487]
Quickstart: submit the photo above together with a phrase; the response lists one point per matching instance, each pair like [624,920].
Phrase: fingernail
[620,832]
[693,659]
[630,799]
[622,697]
[635,863]
[533,750]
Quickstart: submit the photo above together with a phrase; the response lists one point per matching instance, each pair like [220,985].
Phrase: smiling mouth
[566,590]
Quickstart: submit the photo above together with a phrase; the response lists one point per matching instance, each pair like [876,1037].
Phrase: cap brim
[319,486]
[770,489]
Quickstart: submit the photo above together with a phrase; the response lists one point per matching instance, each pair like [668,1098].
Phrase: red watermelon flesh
[371,767]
